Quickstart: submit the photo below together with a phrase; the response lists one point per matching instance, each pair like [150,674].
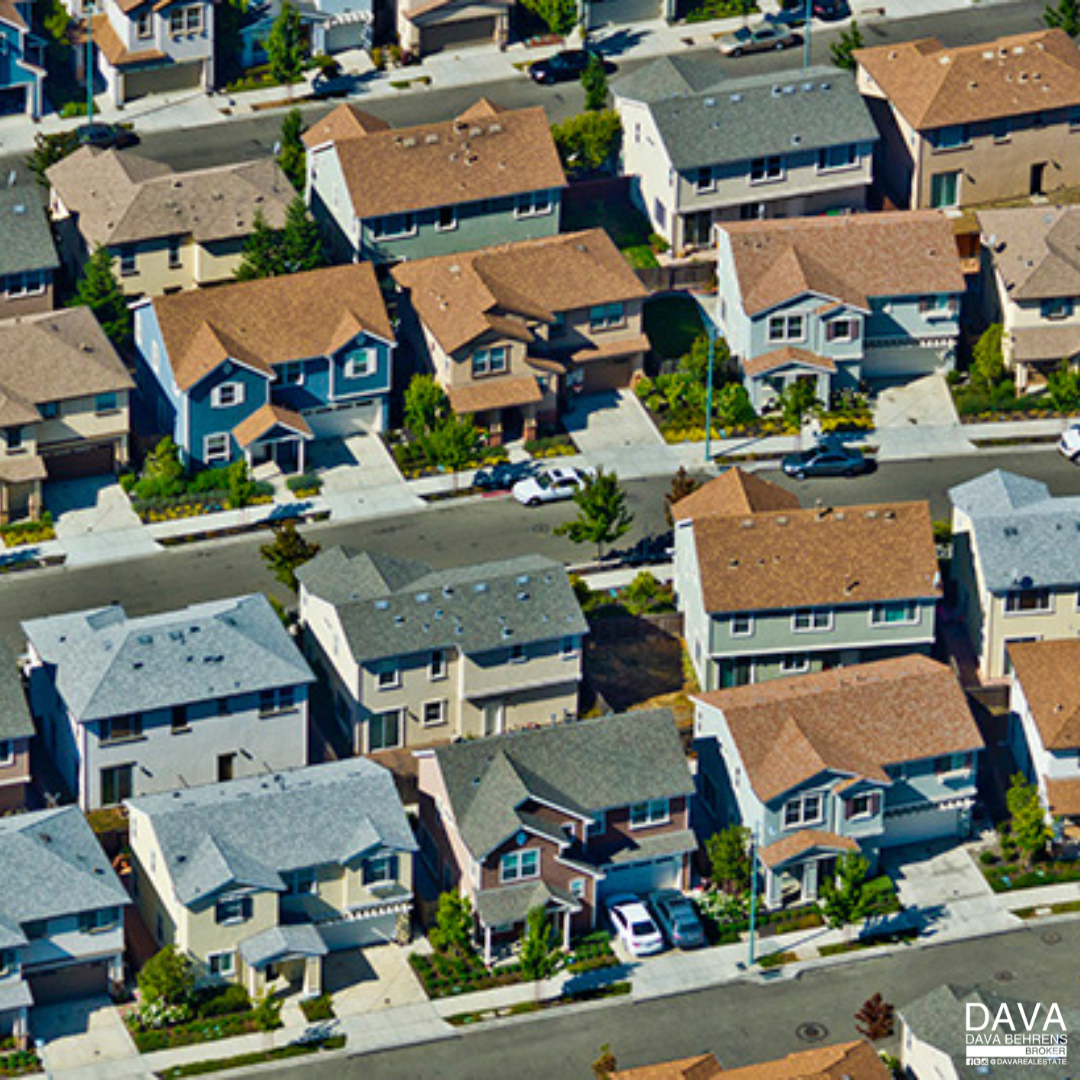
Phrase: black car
[105,136]
[831,10]
[791,17]
[565,66]
[826,459]
[503,476]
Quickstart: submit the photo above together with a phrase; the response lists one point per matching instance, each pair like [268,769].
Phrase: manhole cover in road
[1003,976]
[811,1032]
[1051,937]
[542,529]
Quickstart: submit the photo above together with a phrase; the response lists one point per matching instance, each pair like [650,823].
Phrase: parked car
[757,38]
[502,477]
[790,17]
[678,918]
[831,10]
[826,459]
[105,136]
[633,924]
[1069,443]
[566,66]
[551,485]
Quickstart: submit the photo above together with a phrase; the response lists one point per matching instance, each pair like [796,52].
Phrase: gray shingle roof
[280,943]
[585,766]
[249,832]
[108,664]
[15,721]
[512,903]
[763,115]
[391,607]
[656,847]
[667,77]
[997,492]
[28,242]
[53,866]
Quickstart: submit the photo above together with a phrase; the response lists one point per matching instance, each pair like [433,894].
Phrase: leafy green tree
[301,243]
[846,900]
[1030,828]
[426,404]
[561,16]
[987,360]
[594,83]
[57,23]
[229,18]
[291,156]
[645,595]
[262,256]
[241,487]
[843,51]
[696,362]
[99,290]
[603,515]
[797,399]
[167,977]
[1063,386]
[48,150]
[731,405]
[163,472]
[454,444]
[588,142]
[1066,16]
[682,484]
[537,947]
[729,858]
[285,46]
[453,929]
[288,551]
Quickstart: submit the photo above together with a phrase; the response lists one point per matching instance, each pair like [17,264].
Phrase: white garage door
[343,420]
[357,932]
[643,877]
[901,362]
[920,827]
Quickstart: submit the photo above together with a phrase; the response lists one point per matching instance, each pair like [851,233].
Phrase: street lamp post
[753,893]
[89,9]
[806,34]
[709,390]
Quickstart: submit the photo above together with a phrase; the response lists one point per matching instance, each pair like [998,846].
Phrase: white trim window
[434,713]
[291,374]
[232,910]
[519,865]
[1057,307]
[841,330]
[128,260]
[811,620]
[280,700]
[384,730]
[863,805]
[29,283]
[446,219]
[393,226]
[491,361]
[742,624]
[836,158]
[767,170]
[794,663]
[577,888]
[220,965]
[7,751]
[952,137]
[787,327]
[144,25]
[533,204]
[1028,602]
[380,869]
[646,814]
[437,665]
[361,363]
[804,810]
[217,447]
[607,316]
[895,613]
[705,181]
[227,395]
[388,678]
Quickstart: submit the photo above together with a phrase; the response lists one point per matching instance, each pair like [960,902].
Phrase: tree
[287,553]
[452,932]
[99,290]
[729,858]
[301,243]
[605,1064]
[262,252]
[843,50]
[682,484]
[561,16]
[241,488]
[537,951]
[875,1019]
[48,150]
[731,405]
[454,444]
[292,155]
[228,48]
[1063,386]
[594,82]
[1030,828]
[167,977]
[987,360]
[845,900]
[602,512]
[163,471]
[285,46]
[589,141]
[696,362]
[1066,16]
[796,400]
[426,404]
[645,594]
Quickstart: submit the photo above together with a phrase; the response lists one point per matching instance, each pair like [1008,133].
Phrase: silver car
[757,38]
[678,918]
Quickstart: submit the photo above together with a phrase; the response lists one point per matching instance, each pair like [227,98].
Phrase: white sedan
[631,921]
[551,485]
[1069,443]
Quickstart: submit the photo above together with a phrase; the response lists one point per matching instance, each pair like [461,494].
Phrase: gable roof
[795,844]
[391,607]
[762,115]
[344,122]
[934,86]
[314,314]
[109,665]
[734,492]
[28,241]
[826,557]
[845,1061]
[1036,250]
[484,154]
[15,720]
[852,720]
[997,490]
[786,356]
[849,258]
[460,297]
[249,832]
[583,767]
[122,198]
[1047,673]
[668,76]
[702,1067]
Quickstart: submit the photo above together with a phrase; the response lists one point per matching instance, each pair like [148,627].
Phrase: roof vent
[523,579]
[448,590]
[776,91]
[382,605]
[423,597]
[807,87]
[474,131]
[430,139]
[710,102]
[480,587]
[871,514]
[733,564]
[507,632]
[145,639]
[789,90]
[796,140]
[399,620]
[408,143]
[494,129]
[747,523]
[736,98]
[988,55]
[523,595]
[782,520]
[890,515]
[19,208]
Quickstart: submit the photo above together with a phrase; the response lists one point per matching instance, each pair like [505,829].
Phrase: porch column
[313,976]
[810,880]
[566,931]
[487,945]
[300,455]
[20,1029]
[772,888]
[116,969]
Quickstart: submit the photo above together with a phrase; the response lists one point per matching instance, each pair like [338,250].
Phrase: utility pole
[753,893]
[89,10]
[806,34]
[709,388]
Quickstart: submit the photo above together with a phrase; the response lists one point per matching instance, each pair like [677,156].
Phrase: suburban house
[260,368]
[61,916]
[512,331]
[63,405]
[784,144]
[838,300]
[257,881]
[768,589]
[16,731]
[28,260]
[1015,565]
[559,817]
[977,123]
[212,692]
[22,61]
[488,176]
[331,26]
[856,759]
[431,26]
[416,656]
[1031,285]
[166,230]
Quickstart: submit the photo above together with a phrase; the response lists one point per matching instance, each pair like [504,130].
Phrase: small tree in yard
[287,553]
[682,484]
[454,444]
[987,360]
[729,858]
[845,900]
[843,51]
[262,252]
[426,405]
[1063,386]
[291,155]
[796,400]
[167,977]
[301,241]
[594,82]
[605,1064]
[589,141]
[285,46]
[1030,828]
[561,16]
[48,150]
[452,932]
[875,1019]
[732,406]
[602,513]
[99,290]
[1066,16]
[537,950]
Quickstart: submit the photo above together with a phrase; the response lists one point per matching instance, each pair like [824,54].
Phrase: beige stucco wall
[197,265]
[78,420]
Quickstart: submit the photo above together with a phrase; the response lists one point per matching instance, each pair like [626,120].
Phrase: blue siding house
[260,368]
[22,64]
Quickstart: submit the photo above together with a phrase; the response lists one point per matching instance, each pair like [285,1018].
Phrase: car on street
[1069,443]
[105,136]
[502,477]
[678,918]
[634,926]
[831,10]
[826,459]
[760,37]
[566,66]
[551,485]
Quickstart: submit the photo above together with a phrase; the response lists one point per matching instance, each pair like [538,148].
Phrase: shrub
[645,595]
[989,858]
[776,959]
[318,1008]
[221,1000]
[167,977]
[267,1013]
[306,483]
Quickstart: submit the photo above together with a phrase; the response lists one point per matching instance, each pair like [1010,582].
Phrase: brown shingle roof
[497,392]
[807,558]
[734,492]
[848,258]
[933,86]
[114,49]
[1064,797]
[1033,343]
[271,320]
[852,720]
[446,164]
[606,350]
[344,122]
[844,1061]
[797,843]
[460,297]
[1048,674]
[782,357]
[21,470]
[267,417]
[9,13]
[702,1067]
[1035,249]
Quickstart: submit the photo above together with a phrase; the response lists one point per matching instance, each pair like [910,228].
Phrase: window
[944,189]
[144,25]
[226,767]
[950,138]
[233,909]
[104,403]
[280,700]
[381,869]
[938,306]
[446,220]
[534,204]
[227,395]
[437,666]
[704,181]
[119,728]
[434,713]
[901,611]
[174,252]
[742,624]
[217,448]
[803,810]
[606,316]
[384,730]
[7,751]
[180,719]
[597,825]
[655,812]
[1060,307]
[388,678]
[568,650]
[1020,601]
[577,888]
[300,882]
[128,260]
[49,410]
[291,374]
[1002,129]
[30,283]
[811,620]
[393,226]
[794,663]
[838,157]
[185,20]
[221,964]
[13,437]
[361,363]
[489,361]
[841,330]
[519,865]
[861,806]
[517,654]
[94,922]
[786,328]
[116,784]
[763,170]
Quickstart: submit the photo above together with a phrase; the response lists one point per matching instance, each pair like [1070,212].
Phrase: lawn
[672,323]
[627,226]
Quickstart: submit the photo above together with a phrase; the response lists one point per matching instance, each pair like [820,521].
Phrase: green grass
[776,959]
[1063,908]
[672,323]
[258,1057]
[627,226]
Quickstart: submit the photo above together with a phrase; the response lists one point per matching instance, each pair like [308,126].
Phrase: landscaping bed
[672,324]
[551,446]
[618,989]
[238,530]
[318,1008]
[1010,877]
[776,959]
[1065,907]
[218,1012]
[258,1057]
[17,1062]
[871,941]
[28,532]
[414,463]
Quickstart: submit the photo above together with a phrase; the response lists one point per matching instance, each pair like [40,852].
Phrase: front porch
[502,914]
[797,866]
[507,407]
[284,959]
[769,375]
[274,435]
[21,488]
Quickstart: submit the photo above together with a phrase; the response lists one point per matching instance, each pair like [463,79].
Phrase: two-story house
[16,731]
[1015,565]
[431,26]
[559,817]
[785,144]
[976,123]
[28,259]
[511,332]
[61,916]
[22,61]
[1030,263]
[838,300]
[212,692]
[63,405]
[767,589]
[262,367]
[416,656]
[857,759]
[488,176]
[165,230]
[257,881]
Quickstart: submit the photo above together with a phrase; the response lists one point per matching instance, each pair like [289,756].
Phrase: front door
[226,767]
[493,718]
[1038,178]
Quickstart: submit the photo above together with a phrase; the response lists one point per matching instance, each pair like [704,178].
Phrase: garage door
[907,363]
[12,100]
[337,423]
[920,827]
[454,34]
[69,983]
[643,877]
[607,374]
[161,80]
[358,932]
[85,461]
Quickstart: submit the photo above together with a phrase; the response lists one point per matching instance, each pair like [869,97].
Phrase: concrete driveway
[918,418]
[377,977]
[613,431]
[80,1035]
[96,504]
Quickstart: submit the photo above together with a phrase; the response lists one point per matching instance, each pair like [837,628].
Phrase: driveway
[95,520]
[613,431]
[918,418]
[377,977]
[83,1034]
